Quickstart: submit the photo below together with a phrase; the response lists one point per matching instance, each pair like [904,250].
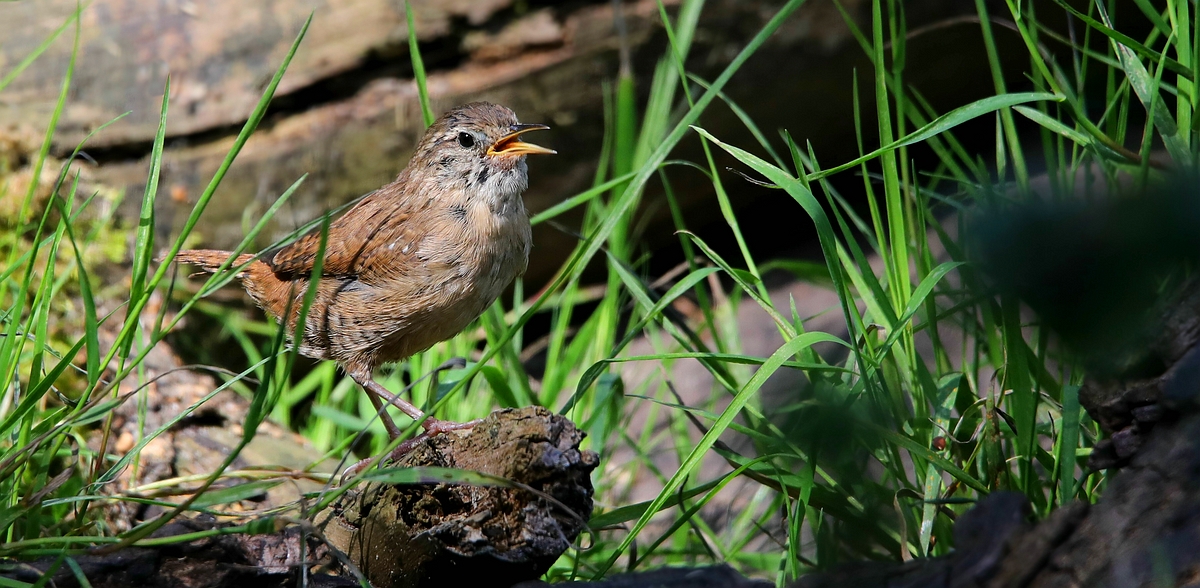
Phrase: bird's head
[478,146]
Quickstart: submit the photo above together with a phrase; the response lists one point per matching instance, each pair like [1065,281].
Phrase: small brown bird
[415,261]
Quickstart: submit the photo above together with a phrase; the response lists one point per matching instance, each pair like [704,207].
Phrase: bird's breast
[474,253]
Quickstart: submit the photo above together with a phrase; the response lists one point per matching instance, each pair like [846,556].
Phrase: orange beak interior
[512,145]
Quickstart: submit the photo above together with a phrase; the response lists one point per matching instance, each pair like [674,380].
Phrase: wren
[414,262]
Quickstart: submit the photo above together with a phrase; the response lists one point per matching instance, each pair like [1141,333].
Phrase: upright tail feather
[209,259]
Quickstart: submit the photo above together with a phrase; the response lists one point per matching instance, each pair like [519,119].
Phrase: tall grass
[51,476]
[892,441]
[938,428]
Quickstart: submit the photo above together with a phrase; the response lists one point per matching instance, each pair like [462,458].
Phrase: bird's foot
[435,426]
[396,453]
[432,426]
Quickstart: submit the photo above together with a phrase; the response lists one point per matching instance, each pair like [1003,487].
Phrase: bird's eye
[466,140]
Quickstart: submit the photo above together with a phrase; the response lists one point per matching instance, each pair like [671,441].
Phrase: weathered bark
[219,54]
[401,536]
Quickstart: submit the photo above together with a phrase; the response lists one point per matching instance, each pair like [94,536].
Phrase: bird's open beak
[510,144]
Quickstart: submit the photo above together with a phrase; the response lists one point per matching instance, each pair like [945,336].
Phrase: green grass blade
[1055,126]
[1127,41]
[944,123]
[678,289]
[810,205]
[896,256]
[34,394]
[90,323]
[578,199]
[932,484]
[418,65]
[1154,16]
[143,249]
[37,52]
[234,493]
[923,290]
[1023,401]
[690,513]
[928,455]
[1146,87]
[723,422]
[746,120]
[750,283]
[1068,443]
[632,512]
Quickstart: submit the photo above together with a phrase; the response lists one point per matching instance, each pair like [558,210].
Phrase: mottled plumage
[415,261]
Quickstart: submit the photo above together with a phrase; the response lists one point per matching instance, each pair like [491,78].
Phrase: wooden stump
[442,535]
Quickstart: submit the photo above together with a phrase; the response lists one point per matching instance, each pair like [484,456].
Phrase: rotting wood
[439,535]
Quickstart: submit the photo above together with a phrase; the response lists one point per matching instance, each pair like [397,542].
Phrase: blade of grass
[144,237]
[37,52]
[418,65]
[1146,87]
[722,423]
[90,323]
[944,123]
[1127,41]
[1006,120]
[1068,442]
[578,199]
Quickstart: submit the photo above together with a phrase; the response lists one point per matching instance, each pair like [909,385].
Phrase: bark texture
[438,535]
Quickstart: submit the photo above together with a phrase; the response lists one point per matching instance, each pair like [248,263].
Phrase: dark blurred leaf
[1096,270]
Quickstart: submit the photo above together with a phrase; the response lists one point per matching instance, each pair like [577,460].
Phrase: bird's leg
[430,424]
[379,394]
[440,426]
[396,453]
[393,431]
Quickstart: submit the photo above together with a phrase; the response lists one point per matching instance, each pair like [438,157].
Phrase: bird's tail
[270,293]
[209,259]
